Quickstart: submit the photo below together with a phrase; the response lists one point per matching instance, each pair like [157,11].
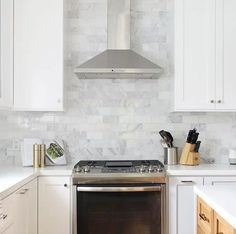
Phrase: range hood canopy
[119,59]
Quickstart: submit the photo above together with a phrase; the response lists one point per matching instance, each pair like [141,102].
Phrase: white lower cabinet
[19,211]
[54,205]
[9,230]
[181,204]
[26,209]
[7,215]
[220,180]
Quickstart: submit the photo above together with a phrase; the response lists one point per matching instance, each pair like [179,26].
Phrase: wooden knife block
[188,156]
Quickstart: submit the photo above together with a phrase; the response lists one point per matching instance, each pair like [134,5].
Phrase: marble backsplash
[117,119]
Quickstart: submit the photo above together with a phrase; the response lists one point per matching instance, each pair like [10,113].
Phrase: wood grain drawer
[221,226]
[204,217]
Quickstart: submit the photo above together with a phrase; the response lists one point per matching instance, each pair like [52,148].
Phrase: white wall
[113,119]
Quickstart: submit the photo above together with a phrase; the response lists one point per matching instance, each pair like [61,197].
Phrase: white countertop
[220,198]
[202,170]
[14,177]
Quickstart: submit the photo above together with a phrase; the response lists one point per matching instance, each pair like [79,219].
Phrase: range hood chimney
[118,61]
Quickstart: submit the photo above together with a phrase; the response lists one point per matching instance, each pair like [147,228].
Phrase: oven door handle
[120,189]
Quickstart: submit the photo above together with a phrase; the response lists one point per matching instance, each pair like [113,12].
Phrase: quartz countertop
[14,177]
[201,170]
[220,198]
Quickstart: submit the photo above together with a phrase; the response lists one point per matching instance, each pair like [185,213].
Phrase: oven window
[119,212]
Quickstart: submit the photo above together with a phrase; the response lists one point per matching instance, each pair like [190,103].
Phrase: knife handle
[189,137]
[197,146]
[194,138]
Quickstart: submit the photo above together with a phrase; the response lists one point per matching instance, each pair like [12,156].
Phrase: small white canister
[232,156]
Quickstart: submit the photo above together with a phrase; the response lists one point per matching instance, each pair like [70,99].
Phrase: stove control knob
[142,168]
[78,169]
[151,169]
[159,169]
[86,169]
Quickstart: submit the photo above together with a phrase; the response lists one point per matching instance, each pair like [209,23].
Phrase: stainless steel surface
[118,59]
[121,179]
[118,24]
[97,172]
[119,189]
[163,210]
[74,210]
[171,156]
[119,176]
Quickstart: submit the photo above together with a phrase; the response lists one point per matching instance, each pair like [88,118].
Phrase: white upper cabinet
[38,55]
[225,55]
[205,51]
[6,53]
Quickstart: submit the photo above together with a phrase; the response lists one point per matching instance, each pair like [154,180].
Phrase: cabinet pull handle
[219,101]
[4,216]
[23,191]
[187,182]
[204,218]
[65,185]
[212,101]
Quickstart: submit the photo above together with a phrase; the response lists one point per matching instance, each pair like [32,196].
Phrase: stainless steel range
[119,197]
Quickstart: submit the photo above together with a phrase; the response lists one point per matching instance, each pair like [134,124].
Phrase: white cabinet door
[54,205]
[38,55]
[7,215]
[225,55]
[194,55]
[181,204]
[220,180]
[6,53]
[26,209]
[8,230]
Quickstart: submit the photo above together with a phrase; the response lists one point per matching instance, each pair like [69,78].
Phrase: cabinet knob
[65,185]
[4,216]
[219,101]
[212,101]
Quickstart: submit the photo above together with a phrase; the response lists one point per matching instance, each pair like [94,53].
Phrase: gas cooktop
[132,166]
[138,171]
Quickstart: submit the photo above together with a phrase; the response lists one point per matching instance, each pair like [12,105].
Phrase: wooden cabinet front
[221,226]
[209,222]
[204,217]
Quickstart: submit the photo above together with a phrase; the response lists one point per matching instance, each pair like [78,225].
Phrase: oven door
[120,209]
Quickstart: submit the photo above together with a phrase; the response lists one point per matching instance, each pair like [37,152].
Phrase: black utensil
[190,134]
[189,137]
[194,138]
[170,138]
[167,138]
[197,146]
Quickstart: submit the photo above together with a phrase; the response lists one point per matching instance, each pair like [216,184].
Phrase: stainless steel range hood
[119,61]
